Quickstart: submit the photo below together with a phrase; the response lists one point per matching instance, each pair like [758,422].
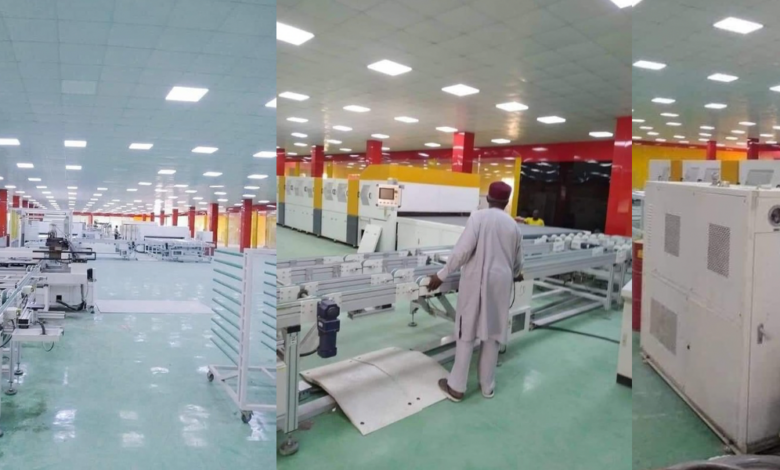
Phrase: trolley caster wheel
[11,391]
[412,324]
[246,416]
[210,376]
[289,447]
[18,372]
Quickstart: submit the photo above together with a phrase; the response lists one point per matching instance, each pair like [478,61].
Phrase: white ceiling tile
[464,18]
[143,12]
[36,52]
[394,14]
[256,20]
[201,14]
[80,72]
[138,36]
[184,40]
[41,9]
[127,57]
[7,52]
[81,54]
[87,10]
[83,32]
[34,30]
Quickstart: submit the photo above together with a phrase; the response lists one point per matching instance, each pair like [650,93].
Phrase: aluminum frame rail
[245,310]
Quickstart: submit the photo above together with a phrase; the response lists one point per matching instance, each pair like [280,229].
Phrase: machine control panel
[388,195]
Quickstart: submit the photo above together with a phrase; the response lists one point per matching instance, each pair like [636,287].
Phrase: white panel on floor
[380,388]
[370,239]
[151,306]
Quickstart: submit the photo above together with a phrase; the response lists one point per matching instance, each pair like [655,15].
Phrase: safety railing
[244,328]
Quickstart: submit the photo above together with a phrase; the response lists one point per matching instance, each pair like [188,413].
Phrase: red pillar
[246,222]
[25,203]
[374,152]
[619,204]
[175,217]
[281,159]
[214,221]
[463,152]
[712,150]
[143,217]
[90,220]
[752,150]
[3,212]
[191,221]
[317,161]
[151,216]
[16,202]
[162,217]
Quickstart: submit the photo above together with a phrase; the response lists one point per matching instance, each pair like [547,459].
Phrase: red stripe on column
[712,150]
[246,225]
[752,149]
[3,212]
[317,161]
[16,201]
[162,217]
[214,221]
[374,152]
[191,221]
[619,204]
[175,217]
[463,152]
[281,157]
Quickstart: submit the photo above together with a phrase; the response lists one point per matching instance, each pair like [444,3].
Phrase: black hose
[43,327]
[590,335]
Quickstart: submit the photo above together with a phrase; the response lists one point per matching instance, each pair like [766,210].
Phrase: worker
[116,232]
[534,219]
[489,257]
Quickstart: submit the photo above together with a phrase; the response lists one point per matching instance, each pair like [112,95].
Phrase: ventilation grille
[341,192]
[672,235]
[718,249]
[328,193]
[518,323]
[663,325]
[759,177]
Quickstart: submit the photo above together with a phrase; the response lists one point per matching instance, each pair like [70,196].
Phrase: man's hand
[434,282]
[520,219]
[519,278]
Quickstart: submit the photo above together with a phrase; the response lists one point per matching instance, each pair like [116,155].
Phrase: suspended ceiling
[569,58]
[100,70]
[680,34]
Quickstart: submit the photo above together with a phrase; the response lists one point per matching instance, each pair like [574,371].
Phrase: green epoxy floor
[126,392]
[557,406]
[666,430]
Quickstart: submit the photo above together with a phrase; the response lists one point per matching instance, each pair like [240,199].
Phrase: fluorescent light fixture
[663,100]
[76,143]
[265,154]
[346,150]
[331,141]
[747,123]
[45,192]
[385,149]
[203,202]
[460,90]
[293,96]
[220,193]
[738,132]
[72,167]
[252,187]
[257,177]
[646,128]
[33,179]
[297,119]
[670,115]
[626,3]
[707,128]
[208,150]
[342,128]
[379,136]
[102,189]
[551,119]
[299,134]
[291,34]
[731,138]
[679,137]
[500,141]
[767,135]
[653,133]
[356,109]
[249,195]
[674,124]
[660,140]
[217,186]
[638,120]
[132,190]
[166,172]
[722,77]
[737,25]
[197,199]
[407,119]
[180,185]
[704,134]
[190,95]
[704,140]
[41,187]
[144,183]
[191,191]
[600,134]
[446,129]
[97,194]
[432,144]
[271,104]
[160,190]
[9,141]
[25,165]
[715,106]
[300,144]
[646,64]
[388,67]
[212,174]
[141,146]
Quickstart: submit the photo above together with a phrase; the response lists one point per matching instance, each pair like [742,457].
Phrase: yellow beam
[516,186]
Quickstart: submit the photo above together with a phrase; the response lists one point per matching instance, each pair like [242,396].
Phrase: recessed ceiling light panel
[646,64]
[388,67]
[186,94]
[460,90]
[738,25]
[291,34]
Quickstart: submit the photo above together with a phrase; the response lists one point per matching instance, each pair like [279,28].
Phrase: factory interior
[136,197]
[393,120]
[707,210]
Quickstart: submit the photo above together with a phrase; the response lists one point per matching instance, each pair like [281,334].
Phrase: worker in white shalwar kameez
[489,257]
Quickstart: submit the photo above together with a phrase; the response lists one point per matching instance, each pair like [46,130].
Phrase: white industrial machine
[711,313]
[299,203]
[759,173]
[334,209]
[310,289]
[624,368]
[701,171]
[660,170]
[637,212]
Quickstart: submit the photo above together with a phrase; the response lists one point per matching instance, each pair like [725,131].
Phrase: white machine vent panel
[663,325]
[341,192]
[328,192]
[711,174]
[759,177]
[672,235]
[718,250]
